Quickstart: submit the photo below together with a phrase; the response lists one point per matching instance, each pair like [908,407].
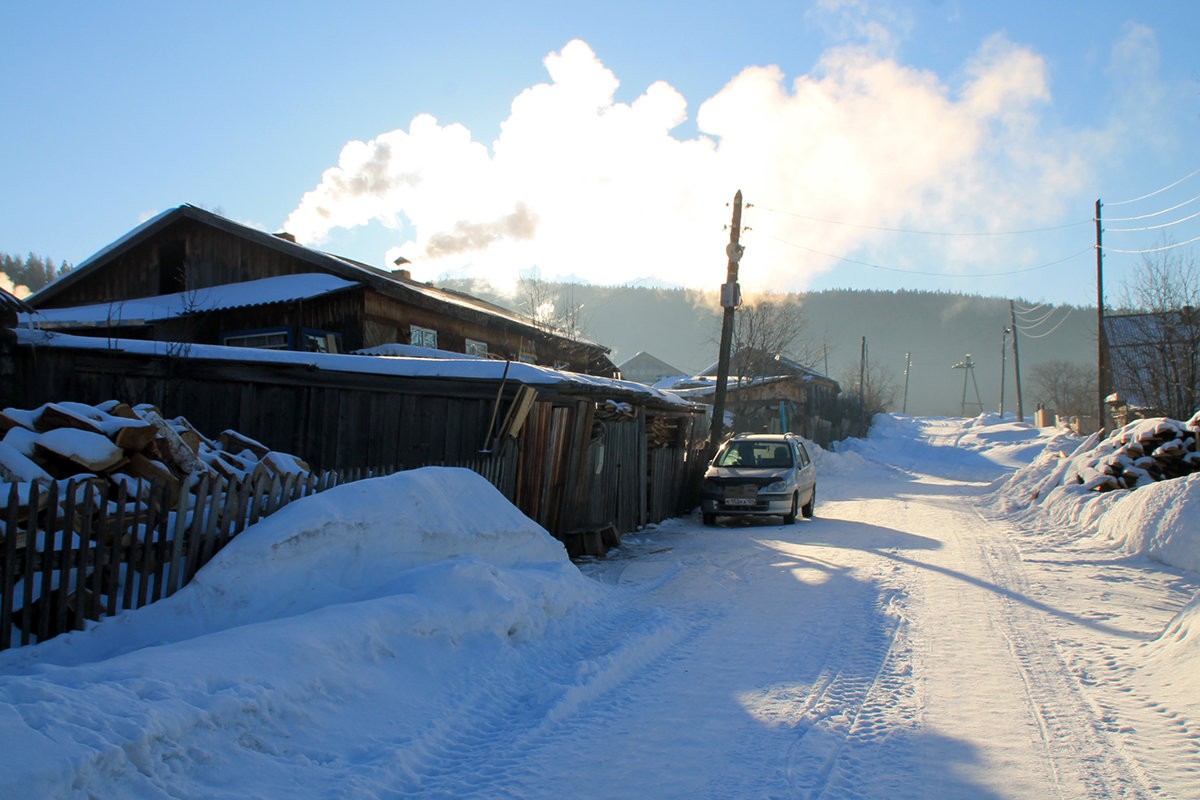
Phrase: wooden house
[191,276]
[770,394]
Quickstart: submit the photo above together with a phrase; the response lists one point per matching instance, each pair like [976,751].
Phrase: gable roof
[384,282]
[646,362]
[786,366]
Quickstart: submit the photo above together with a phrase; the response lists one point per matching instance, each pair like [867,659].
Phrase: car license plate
[743,495]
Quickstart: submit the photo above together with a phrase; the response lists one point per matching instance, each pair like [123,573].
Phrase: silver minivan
[760,474]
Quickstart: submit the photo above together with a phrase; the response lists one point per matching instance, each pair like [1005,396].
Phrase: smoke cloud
[580,185]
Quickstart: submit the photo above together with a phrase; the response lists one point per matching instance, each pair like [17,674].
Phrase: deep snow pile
[380,596]
[979,449]
[1058,491]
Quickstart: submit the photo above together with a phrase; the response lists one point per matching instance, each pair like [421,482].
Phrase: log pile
[116,443]
[1142,453]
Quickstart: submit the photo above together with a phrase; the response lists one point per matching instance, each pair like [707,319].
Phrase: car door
[806,475]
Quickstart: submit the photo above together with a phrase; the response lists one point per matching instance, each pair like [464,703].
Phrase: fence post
[68,549]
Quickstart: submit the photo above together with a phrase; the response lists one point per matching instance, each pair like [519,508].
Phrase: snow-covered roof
[342,267]
[479,369]
[795,367]
[280,289]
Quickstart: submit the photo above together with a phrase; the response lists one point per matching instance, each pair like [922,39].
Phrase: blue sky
[603,143]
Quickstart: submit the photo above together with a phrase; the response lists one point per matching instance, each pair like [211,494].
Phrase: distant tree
[1164,367]
[33,272]
[1065,388]
[771,325]
[550,306]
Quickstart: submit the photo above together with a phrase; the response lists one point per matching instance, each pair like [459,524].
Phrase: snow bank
[445,537]
[980,449]
[1161,520]
[357,615]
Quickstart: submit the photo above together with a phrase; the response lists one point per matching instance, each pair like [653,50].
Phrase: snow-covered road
[910,642]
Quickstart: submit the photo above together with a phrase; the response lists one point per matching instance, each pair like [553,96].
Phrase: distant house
[1154,360]
[191,276]
[770,394]
[648,369]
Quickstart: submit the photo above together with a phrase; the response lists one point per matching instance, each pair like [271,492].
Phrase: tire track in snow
[488,755]
[855,701]
[1077,746]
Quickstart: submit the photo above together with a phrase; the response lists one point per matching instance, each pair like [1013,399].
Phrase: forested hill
[681,327]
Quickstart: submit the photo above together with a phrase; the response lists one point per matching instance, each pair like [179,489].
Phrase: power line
[923,272]
[1031,309]
[1152,227]
[1156,191]
[920,232]
[1052,330]
[1040,320]
[1153,249]
[1154,214]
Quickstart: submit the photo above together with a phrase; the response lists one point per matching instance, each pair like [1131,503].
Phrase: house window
[476,348]
[264,339]
[318,341]
[172,269]
[423,337]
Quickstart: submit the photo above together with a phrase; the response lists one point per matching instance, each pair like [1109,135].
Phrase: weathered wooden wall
[574,473]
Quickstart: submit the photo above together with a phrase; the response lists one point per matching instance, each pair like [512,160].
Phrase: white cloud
[579,184]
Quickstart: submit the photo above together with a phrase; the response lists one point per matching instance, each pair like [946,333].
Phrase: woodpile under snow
[1139,454]
[117,443]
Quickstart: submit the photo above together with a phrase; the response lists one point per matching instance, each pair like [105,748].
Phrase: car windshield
[755,454]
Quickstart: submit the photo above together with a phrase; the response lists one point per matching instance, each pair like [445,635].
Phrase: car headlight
[777,486]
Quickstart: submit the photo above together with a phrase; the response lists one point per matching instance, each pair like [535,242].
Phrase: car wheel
[789,519]
[710,519]
[810,507]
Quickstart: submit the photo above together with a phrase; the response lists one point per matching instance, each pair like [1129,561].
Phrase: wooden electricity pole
[1104,374]
[730,299]
[1016,362]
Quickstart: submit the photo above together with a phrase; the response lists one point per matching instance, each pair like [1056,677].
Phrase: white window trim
[422,337]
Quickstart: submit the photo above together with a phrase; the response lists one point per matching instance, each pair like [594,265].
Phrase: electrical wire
[1152,227]
[1027,310]
[1052,330]
[1040,320]
[922,272]
[1154,214]
[1153,249]
[920,232]
[1156,191]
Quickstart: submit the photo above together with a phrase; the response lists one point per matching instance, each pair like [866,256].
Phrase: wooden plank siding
[572,473]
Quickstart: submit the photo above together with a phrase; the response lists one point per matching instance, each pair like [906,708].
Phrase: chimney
[287,237]
[402,274]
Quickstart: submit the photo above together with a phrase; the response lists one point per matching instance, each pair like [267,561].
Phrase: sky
[919,144]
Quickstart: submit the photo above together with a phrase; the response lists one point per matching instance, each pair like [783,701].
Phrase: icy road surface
[906,643]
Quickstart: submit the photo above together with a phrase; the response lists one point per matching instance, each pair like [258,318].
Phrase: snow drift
[356,604]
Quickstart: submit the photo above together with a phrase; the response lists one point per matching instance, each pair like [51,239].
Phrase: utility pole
[1003,367]
[862,375]
[1103,376]
[1016,362]
[730,299]
[907,364]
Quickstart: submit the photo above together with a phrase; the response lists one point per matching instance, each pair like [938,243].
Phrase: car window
[801,454]
[755,454]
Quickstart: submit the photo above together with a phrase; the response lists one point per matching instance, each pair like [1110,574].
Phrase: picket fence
[98,548]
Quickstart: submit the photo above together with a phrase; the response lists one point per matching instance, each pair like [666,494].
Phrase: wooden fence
[99,548]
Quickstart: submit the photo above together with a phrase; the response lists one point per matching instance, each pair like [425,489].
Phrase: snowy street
[916,639]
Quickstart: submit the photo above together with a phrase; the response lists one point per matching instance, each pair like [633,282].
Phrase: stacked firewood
[118,444]
[1141,453]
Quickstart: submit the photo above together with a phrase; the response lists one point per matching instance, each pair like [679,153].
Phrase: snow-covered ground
[950,625]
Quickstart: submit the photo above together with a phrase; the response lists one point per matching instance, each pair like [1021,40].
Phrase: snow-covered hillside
[950,625]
